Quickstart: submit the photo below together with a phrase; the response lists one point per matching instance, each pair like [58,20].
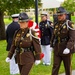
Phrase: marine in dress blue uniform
[46,33]
[11,30]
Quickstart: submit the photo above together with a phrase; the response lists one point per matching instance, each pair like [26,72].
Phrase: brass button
[22,31]
[20,42]
[18,34]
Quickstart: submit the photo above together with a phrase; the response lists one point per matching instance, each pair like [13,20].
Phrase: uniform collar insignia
[46,25]
[64,27]
[18,34]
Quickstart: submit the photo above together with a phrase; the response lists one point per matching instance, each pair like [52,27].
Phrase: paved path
[73,73]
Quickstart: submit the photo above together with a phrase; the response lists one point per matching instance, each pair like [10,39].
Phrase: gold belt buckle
[21,50]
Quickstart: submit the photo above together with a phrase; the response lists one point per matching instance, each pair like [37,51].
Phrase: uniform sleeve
[71,42]
[37,47]
[12,49]
[52,40]
[50,28]
[11,52]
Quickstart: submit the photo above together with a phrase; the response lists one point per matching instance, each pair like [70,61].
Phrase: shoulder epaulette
[33,34]
[70,25]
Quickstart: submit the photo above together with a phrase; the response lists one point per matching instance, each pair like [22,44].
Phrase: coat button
[22,32]
[20,42]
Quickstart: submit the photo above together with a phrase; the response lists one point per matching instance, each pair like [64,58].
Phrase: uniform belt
[64,40]
[21,50]
[25,49]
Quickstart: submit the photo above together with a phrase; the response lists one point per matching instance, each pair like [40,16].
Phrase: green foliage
[69,5]
[7,21]
[3,66]
[14,6]
[73,18]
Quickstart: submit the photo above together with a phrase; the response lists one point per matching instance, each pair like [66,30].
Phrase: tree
[11,6]
[69,5]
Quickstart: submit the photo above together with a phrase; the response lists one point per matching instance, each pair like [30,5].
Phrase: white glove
[7,59]
[37,62]
[66,51]
[51,49]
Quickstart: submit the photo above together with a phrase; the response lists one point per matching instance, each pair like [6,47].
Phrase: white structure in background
[51,3]
[60,0]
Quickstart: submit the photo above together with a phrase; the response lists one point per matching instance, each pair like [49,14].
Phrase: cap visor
[60,13]
[25,20]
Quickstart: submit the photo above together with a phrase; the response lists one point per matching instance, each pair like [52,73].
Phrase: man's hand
[66,51]
[37,62]
[7,59]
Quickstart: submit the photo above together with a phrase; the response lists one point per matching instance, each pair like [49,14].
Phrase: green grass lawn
[7,21]
[36,70]
[73,18]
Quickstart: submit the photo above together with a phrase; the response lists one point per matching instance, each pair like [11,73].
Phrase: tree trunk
[2,26]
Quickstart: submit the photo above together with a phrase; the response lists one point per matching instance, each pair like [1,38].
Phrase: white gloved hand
[37,62]
[7,59]
[66,51]
[51,49]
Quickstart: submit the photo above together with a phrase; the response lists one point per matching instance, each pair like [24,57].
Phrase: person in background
[9,37]
[26,46]
[63,42]
[34,26]
[46,33]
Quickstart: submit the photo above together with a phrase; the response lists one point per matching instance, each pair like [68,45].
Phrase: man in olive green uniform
[63,42]
[25,46]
